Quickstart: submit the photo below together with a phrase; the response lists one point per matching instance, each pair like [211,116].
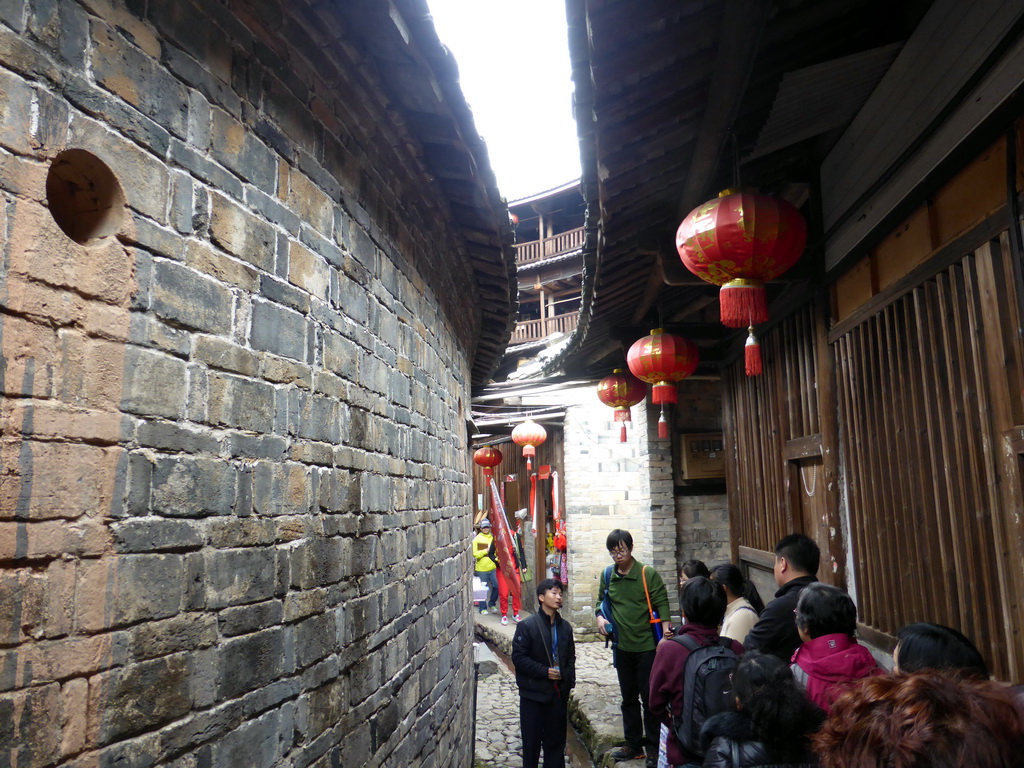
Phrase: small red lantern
[662,359]
[529,435]
[739,241]
[488,458]
[621,391]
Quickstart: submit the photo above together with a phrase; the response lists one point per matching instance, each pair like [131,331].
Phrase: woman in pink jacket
[830,659]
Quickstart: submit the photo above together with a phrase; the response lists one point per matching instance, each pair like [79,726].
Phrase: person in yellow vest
[486,567]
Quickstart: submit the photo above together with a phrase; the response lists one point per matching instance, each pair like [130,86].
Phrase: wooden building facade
[889,421]
[888,424]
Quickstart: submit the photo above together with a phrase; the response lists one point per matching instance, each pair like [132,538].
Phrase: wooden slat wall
[763,413]
[923,424]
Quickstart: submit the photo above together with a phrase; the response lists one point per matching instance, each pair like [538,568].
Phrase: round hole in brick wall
[84,196]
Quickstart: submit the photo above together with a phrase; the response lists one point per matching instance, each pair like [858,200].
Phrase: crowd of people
[740,683]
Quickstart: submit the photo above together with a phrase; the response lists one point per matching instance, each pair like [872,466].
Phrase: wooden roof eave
[421,80]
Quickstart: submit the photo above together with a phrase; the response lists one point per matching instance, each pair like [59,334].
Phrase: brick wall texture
[234,500]
[630,485]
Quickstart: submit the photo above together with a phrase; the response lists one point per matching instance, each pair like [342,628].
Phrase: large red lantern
[739,241]
[529,435]
[488,458]
[621,390]
[662,359]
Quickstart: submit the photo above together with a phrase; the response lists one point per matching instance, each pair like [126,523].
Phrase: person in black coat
[544,655]
[796,565]
[773,722]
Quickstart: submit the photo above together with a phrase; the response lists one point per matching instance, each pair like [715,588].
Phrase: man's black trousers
[543,725]
[639,727]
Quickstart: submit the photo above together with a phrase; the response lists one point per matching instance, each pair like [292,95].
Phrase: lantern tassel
[752,354]
[663,425]
[622,433]
[743,302]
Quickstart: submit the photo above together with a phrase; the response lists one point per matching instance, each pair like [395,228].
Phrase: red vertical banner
[503,538]
[533,501]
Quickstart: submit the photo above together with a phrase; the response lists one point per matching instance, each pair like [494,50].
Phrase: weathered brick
[225,269]
[272,210]
[311,204]
[279,330]
[280,489]
[190,299]
[116,591]
[280,370]
[181,633]
[243,153]
[59,480]
[241,233]
[25,720]
[259,743]
[282,293]
[154,238]
[221,354]
[192,487]
[133,76]
[207,170]
[315,417]
[241,403]
[154,384]
[16,114]
[245,619]
[155,535]
[250,662]
[140,697]
[245,532]
[214,88]
[308,271]
[236,576]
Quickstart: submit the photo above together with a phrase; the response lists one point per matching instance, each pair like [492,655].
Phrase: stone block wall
[611,485]
[234,502]
[703,526]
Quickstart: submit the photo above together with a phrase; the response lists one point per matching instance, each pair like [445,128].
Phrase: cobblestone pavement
[497,721]
[594,706]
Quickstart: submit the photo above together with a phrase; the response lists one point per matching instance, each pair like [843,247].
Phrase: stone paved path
[497,721]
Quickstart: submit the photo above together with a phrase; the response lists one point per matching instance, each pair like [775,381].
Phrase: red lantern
[662,359]
[488,458]
[739,241]
[529,435]
[621,391]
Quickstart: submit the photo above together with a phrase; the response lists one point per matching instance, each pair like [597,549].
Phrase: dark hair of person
[731,577]
[924,719]
[703,602]
[617,537]
[693,568]
[547,584]
[932,646]
[782,715]
[825,610]
[800,552]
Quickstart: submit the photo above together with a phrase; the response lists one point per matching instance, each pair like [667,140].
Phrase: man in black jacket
[796,565]
[544,655]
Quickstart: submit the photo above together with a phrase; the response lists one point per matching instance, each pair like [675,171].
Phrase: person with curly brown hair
[923,720]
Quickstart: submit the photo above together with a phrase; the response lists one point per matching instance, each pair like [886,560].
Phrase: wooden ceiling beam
[742,26]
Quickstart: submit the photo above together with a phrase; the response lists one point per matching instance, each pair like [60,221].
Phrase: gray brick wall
[234,501]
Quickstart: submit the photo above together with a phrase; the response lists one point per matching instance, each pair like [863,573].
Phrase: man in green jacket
[628,586]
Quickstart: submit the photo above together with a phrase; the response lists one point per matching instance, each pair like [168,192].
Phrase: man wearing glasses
[633,591]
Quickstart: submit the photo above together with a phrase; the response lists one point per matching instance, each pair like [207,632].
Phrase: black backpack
[707,688]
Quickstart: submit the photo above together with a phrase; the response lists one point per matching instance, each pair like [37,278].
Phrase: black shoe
[651,762]
[621,754]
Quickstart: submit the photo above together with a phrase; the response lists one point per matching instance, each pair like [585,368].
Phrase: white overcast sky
[514,67]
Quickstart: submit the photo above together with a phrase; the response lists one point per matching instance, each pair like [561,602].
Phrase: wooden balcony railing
[549,246]
[535,330]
